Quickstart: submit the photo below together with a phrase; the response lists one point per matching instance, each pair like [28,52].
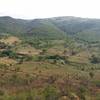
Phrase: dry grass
[11,40]
[47,69]
[7,61]
[28,50]
[82,57]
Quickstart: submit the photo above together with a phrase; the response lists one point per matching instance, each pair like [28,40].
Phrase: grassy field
[53,72]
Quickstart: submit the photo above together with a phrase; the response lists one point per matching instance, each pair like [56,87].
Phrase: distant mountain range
[57,27]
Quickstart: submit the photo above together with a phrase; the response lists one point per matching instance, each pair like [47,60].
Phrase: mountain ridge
[52,27]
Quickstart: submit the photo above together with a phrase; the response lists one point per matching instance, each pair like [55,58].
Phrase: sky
[31,9]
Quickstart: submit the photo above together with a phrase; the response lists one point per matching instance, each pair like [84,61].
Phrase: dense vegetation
[58,27]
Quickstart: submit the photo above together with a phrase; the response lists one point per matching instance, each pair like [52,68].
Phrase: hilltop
[57,27]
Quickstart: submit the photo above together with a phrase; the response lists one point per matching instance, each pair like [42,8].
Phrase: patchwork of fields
[48,69]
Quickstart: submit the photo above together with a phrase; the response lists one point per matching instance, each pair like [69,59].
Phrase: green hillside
[58,27]
[42,28]
[90,35]
[75,24]
[38,28]
[12,26]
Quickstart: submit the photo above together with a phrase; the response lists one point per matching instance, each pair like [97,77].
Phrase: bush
[82,91]
[8,53]
[53,58]
[1,93]
[94,59]
[91,74]
[50,93]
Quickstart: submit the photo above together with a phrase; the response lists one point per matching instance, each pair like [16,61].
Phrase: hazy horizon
[48,17]
[37,9]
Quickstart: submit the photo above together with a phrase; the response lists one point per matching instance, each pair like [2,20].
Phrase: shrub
[81,93]
[94,59]
[1,92]
[50,93]
[91,74]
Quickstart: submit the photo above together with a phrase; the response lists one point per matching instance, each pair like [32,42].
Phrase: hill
[44,28]
[11,25]
[38,61]
[38,28]
[58,27]
[83,28]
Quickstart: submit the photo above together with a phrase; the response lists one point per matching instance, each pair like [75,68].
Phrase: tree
[94,59]
[91,74]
